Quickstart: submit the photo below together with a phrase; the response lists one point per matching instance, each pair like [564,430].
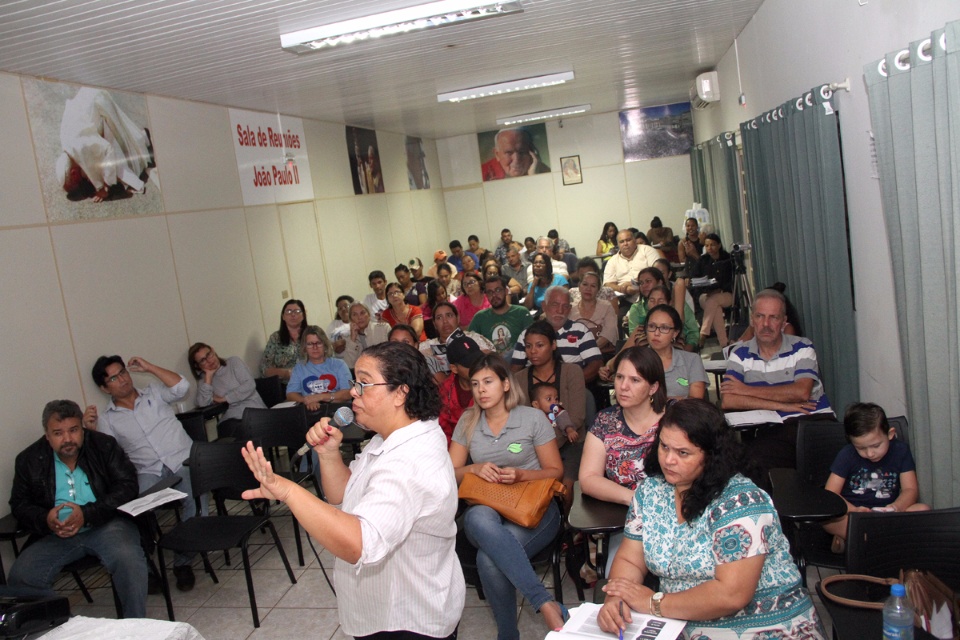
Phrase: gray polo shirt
[526,429]
[686,368]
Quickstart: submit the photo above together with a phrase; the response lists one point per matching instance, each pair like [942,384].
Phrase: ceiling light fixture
[544,115]
[424,16]
[523,84]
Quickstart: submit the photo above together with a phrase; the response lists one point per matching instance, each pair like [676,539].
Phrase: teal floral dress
[279,356]
[740,523]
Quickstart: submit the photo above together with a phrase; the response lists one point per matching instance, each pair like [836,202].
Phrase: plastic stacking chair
[271,390]
[216,466]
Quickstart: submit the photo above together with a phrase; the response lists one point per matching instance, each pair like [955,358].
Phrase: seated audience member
[773,371]
[456,255]
[504,549]
[677,289]
[472,299]
[598,315]
[714,264]
[514,268]
[469,266]
[502,322]
[473,242]
[689,337]
[611,467]
[500,252]
[416,272]
[875,472]
[364,332]
[647,279]
[558,383]
[607,244]
[145,425]
[66,490]
[446,320]
[712,536]
[529,248]
[400,311]
[558,242]
[318,379]
[574,340]
[340,322]
[414,293]
[623,267]
[456,393]
[793,326]
[691,245]
[545,246]
[543,278]
[220,380]
[586,265]
[439,258]
[283,346]
[436,293]
[445,274]
[492,268]
[662,236]
[683,370]
[377,301]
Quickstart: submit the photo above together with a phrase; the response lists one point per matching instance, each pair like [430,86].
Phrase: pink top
[466,309]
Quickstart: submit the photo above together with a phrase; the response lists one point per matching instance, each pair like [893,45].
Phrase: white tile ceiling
[625,53]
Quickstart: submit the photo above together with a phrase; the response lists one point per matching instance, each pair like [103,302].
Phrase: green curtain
[914,97]
[798,227]
[716,185]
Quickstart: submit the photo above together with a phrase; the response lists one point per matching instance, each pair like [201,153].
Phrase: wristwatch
[655,602]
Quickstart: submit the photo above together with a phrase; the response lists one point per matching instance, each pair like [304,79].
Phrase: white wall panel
[305,260]
[329,161]
[459,160]
[595,138]
[269,265]
[467,212]
[20,199]
[584,208]
[659,187]
[527,206]
[194,147]
[342,248]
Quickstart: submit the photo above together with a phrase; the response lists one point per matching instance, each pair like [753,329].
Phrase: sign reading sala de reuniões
[271,157]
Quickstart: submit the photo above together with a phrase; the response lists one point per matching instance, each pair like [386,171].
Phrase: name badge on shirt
[515,447]
[683,382]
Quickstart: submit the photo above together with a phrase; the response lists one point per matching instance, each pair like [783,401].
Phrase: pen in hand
[621,620]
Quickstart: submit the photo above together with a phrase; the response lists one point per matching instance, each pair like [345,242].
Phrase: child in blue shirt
[875,472]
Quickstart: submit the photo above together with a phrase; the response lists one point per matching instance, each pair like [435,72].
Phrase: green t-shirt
[502,330]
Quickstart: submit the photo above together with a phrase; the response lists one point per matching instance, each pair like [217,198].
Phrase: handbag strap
[854,577]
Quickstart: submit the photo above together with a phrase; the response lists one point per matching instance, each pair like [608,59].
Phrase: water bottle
[897,615]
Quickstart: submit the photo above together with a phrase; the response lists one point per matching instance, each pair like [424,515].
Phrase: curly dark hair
[402,365]
[706,428]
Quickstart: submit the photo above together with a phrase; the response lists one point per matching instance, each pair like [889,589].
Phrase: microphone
[341,419]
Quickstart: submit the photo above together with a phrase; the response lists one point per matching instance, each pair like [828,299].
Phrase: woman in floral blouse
[713,538]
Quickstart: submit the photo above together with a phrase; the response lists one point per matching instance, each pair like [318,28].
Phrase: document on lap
[759,417]
[582,625]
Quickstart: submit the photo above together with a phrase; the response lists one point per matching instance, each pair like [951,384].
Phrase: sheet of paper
[582,625]
[146,503]
[746,418]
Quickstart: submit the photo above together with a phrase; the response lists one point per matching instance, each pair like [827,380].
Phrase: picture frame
[570,170]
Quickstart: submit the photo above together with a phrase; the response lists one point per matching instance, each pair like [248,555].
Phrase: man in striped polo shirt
[575,342]
[778,372]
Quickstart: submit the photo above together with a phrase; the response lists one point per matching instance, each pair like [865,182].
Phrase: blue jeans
[189,505]
[504,550]
[116,544]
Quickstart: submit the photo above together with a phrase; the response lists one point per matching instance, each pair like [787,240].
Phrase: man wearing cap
[439,258]
[416,272]
[456,393]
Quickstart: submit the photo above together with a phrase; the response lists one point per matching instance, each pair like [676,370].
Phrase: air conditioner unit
[705,90]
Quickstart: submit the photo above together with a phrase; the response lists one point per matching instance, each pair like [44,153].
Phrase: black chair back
[284,427]
[219,465]
[902,427]
[271,390]
[818,443]
[194,424]
[881,544]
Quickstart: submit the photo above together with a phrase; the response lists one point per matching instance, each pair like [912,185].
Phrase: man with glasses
[502,322]
[145,425]
[66,490]
[575,342]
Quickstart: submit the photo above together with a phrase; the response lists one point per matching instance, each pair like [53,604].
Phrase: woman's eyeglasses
[360,386]
[292,312]
[659,328]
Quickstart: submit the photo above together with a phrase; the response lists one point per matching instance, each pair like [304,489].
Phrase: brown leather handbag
[934,606]
[522,503]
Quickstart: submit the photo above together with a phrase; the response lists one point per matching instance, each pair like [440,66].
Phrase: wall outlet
[285,294]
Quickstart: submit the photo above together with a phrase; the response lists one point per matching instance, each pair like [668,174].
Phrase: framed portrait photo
[570,170]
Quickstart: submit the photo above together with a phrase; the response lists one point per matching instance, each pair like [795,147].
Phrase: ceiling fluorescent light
[423,16]
[544,115]
[506,87]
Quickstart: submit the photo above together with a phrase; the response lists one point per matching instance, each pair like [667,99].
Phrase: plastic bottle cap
[897,589]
